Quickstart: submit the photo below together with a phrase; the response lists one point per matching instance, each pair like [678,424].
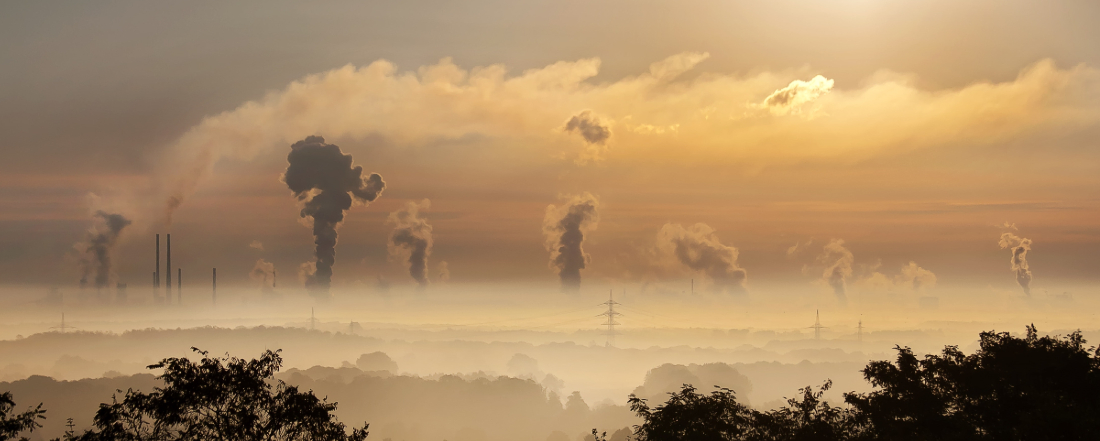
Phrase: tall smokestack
[179,286]
[215,273]
[156,273]
[168,269]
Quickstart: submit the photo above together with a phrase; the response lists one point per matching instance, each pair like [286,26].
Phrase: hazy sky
[913,131]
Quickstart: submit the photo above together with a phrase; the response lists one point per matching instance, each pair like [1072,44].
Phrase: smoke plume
[594,130]
[565,227]
[97,247]
[917,277]
[699,249]
[411,239]
[323,178]
[263,273]
[444,274]
[838,267]
[1020,246]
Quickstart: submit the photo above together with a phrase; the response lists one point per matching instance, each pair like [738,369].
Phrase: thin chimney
[215,273]
[179,286]
[168,269]
[156,273]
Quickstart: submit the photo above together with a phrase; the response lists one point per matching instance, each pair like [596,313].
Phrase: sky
[847,146]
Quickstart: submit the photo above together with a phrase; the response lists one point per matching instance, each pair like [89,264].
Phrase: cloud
[916,277]
[790,99]
[323,178]
[1019,246]
[838,262]
[712,114]
[256,245]
[565,227]
[411,239]
[697,247]
[97,248]
[1009,226]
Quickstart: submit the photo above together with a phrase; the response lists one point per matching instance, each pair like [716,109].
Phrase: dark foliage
[1031,388]
[220,399]
[1012,388]
[14,424]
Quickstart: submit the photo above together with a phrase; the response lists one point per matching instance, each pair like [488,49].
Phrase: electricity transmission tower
[859,331]
[63,326]
[817,326]
[312,320]
[610,314]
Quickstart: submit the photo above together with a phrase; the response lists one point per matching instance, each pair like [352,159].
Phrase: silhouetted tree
[13,424]
[1031,388]
[689,415]
[220,399]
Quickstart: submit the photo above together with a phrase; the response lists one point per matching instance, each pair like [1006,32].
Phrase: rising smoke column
[1020,246]
[564,228]
[263,273]
[97,248]
[322,177]
[838,267]
[698,248]
[412,239]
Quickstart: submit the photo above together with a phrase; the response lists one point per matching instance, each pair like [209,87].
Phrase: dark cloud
[1019,246]
[412,239]
[838,267]
[323,178]
[699,249]
[97,247]
[564,228]
[591,127]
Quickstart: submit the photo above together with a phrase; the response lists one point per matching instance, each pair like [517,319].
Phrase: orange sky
[912,130]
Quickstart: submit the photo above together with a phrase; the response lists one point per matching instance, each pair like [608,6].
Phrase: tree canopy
[220,399]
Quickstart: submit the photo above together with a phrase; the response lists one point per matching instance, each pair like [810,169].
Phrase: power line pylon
[312,320]
[610,314]
[859,331]
[817,326]
[63,326]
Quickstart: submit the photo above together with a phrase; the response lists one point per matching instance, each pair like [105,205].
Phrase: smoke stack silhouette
[322,177]
[1020,246]
[97,248]
[564,228]
[412,238]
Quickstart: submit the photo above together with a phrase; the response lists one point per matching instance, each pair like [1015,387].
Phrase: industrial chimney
[168,269]
[215,271]
[179,286]
[156,273]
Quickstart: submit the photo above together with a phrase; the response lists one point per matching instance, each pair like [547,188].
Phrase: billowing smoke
[791,98]
[444,272]
[263,273]
[838,267]
[323,178]
[698,248]
[1020,246]
[411,239]
[565,227]
[594,130]
[97,246]
[917,277]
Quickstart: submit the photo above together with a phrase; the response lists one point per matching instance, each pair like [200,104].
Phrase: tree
[1031,388]
[220,399]
[13,424]
[689,415]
